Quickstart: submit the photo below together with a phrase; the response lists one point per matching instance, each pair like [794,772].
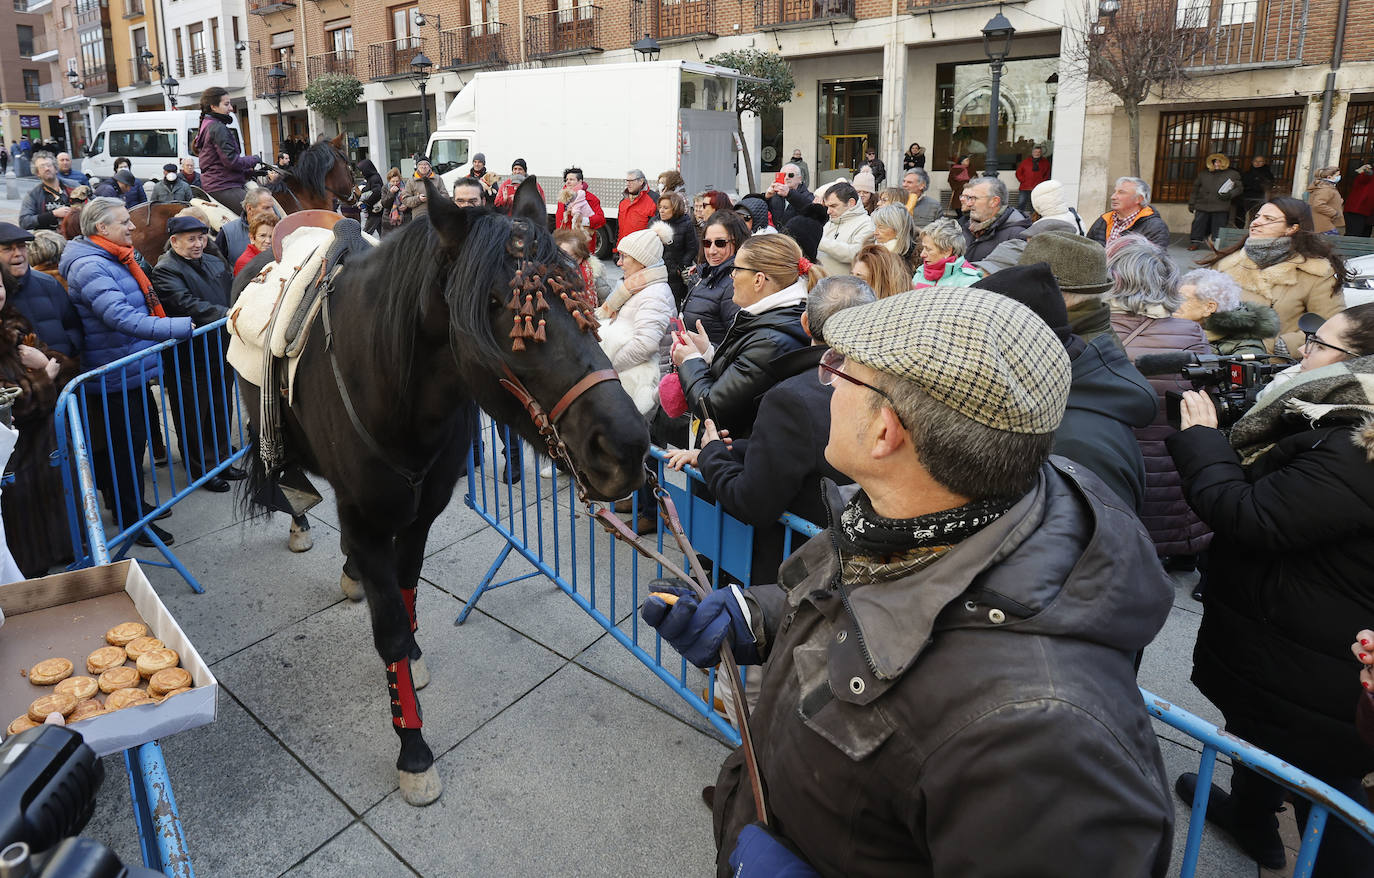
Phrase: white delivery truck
[602,118]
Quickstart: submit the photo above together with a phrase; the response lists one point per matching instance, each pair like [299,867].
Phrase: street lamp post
[278,77]
[997,35]
[1052,88]
[169,83]
[419,66]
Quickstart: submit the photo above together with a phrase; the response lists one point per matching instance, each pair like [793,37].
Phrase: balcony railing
[343,62]
[206,60]
[392,58]
[265,87]
[133,8]
[139,74]
[91,12]
[573,31]
[477,45]
[781,13]
[267,7]
[1251,33]
[668,20]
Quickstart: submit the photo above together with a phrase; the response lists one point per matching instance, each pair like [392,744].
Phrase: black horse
[421,330]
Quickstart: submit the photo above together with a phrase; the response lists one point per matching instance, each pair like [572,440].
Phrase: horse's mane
[408,267]
[310,170]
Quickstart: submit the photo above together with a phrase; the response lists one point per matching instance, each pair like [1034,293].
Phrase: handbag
[671,396]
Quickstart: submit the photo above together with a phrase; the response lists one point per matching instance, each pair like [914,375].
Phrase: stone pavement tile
[577,778]
[355,851]
[247,807]
[1219,856]
[1167,667]
[321,689]
[254,586]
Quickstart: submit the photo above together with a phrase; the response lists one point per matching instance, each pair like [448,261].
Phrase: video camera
[1234,382]
[48,782]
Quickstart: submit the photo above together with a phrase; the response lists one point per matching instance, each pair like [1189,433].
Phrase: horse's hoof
[300,540]
[352,588]
[421,788]
[419,673]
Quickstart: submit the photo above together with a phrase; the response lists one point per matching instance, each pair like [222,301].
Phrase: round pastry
[122,698]
[20,724]
[51,703]
[114,679]
[173,692]
[139,645]
[79,688]
[99,711]
[86,709]
[122,633]
[166,680]
[105,658]
[50,671]
[156,660]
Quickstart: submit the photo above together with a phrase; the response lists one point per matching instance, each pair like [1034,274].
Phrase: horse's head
[510,295]
[320,175]
[338,179]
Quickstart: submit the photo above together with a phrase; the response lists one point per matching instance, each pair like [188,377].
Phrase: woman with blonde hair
[894,229]
[882,270]
[771,281]
[942,258]
[45,252]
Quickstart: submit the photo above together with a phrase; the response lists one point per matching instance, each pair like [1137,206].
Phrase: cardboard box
[67,615]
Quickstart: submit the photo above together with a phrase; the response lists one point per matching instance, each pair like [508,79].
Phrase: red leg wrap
[405,709]
[408,595]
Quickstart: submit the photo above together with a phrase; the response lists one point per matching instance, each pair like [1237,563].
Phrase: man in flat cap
[949,686]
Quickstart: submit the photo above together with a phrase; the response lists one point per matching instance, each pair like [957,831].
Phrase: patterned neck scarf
[1268,251]
[1120,225]
[875,549]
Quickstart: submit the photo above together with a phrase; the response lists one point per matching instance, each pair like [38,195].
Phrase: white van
[148,140]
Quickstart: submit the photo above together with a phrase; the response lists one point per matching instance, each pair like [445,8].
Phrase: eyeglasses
[744,268]
[1312,339]
[718,243]
[829,369]
[966,197]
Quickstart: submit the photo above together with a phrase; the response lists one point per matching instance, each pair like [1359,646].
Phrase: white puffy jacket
[632,339]
[843,238]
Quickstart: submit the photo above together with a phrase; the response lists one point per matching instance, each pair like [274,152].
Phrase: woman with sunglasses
[710,300]
[1284,265]
[1291,503]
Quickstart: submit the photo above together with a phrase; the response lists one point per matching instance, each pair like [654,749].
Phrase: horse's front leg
[374,552]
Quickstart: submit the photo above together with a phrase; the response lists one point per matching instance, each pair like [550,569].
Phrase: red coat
[1361,198]
[249,253]
[598,215]
[636,212]
[1028,177]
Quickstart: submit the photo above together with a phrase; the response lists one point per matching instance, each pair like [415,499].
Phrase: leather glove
[697,629]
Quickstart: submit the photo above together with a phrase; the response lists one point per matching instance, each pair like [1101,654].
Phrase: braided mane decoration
[527,300]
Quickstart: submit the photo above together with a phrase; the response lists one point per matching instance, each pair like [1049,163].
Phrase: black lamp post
[997,35]
[278,77]
[169,83]
[646,49]
[1052,89]
[419,66]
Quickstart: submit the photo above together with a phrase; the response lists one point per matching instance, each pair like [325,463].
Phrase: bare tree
[1148,47]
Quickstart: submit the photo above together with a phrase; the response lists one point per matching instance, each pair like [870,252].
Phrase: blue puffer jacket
[114,314]
[42,300]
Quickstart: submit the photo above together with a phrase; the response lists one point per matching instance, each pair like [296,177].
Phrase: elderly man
[1079,267]
[875,166]
[189,173]
[191,280]
[990,220]
[802,169]
[234,237]
[39,297]
[172,187]
[638,206]
[1130,214]
[787,200]
[47,204]
[924,210]
[849,229]
[69,176]
[949,686]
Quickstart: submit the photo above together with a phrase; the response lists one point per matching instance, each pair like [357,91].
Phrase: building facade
[27,47]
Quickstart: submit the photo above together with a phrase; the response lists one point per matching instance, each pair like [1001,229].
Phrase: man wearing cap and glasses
[949,686]
[37,295]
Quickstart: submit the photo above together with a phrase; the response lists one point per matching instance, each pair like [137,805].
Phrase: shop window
[1186,139]
[964,108]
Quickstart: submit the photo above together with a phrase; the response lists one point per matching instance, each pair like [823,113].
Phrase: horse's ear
[529,204]
[449,220]
[338,140]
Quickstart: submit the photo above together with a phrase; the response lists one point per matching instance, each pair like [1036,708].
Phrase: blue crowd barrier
[102,433]
[544,523]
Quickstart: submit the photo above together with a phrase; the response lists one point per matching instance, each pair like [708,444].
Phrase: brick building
[27,47]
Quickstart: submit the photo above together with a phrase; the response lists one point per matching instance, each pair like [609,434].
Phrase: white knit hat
[864,182]
[646,245]
[1048,199]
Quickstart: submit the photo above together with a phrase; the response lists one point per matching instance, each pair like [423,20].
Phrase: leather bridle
[547,423]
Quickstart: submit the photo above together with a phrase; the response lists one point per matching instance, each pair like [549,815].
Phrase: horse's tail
[255,490]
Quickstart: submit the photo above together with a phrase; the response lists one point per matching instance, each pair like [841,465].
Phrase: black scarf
[219,117]
[874,548]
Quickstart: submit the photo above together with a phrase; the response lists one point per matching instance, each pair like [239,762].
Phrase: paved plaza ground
[560,753]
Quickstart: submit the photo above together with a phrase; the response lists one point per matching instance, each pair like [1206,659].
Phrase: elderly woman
[260,231]
[120,315]
[680,252]
[942,258]
[1283,264]
[45,253]
[1143,298]
[1212,300]
[639,310]
[894,230]
[882,270]
[1291,501]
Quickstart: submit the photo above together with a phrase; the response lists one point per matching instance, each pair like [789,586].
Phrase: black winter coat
[198,289]
[728,390]
[784,209]
[712,301]
[49,309]
[1290,581]
[1009,224]
[780,468]
[680,253]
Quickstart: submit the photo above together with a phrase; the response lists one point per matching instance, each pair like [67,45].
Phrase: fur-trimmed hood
[1247,320]
[1364,437]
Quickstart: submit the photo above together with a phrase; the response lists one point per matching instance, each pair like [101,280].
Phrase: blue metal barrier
[101,436]
[542,526]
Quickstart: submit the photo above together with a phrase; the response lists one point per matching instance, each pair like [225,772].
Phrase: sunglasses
[719,243]
[829,369]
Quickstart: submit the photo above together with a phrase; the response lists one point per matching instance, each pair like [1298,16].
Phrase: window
[284,46]
[67,17]
[31,85]
[145,143]
[214,43]
[566,7]
[234,29]
[1192,13]
[138,38]
[339,34]
[1186,138]
[181,54]
[93,55]
[448,154]
[25,34]
[483,12]
[1358,146]
[964,107]
[403,28]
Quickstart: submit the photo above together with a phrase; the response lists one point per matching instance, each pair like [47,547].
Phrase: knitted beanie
[646,245]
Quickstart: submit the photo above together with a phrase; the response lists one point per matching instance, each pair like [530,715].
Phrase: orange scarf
[125,255]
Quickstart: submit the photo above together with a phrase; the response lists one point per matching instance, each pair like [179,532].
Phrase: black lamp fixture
[419,74]
[278,77]
[169,82]
[74,79]
[1052,84]
[646,49]
[997,34]
[1108,8]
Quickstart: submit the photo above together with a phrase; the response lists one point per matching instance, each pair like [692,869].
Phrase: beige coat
[1292,288]
[1328,208]
[843,239]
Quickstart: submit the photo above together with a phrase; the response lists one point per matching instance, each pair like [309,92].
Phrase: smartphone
[706,412]
[676,324]
[780,179]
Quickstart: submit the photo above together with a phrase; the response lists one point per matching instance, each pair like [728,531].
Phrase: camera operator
[1290,500]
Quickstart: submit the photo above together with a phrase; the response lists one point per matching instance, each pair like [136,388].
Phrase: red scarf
[125,255]
[936,270]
